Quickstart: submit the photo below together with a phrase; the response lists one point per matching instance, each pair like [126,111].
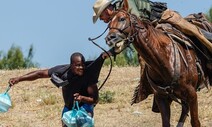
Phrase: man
[79,80]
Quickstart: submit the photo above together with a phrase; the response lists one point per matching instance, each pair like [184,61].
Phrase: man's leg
[65,109]
[63,124]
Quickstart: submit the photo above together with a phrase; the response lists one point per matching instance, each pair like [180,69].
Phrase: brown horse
[172,72]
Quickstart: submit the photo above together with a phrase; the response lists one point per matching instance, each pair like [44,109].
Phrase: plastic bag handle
[8,88]
[76,103]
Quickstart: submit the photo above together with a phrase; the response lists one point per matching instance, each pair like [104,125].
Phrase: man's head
[77,62]
[102,10]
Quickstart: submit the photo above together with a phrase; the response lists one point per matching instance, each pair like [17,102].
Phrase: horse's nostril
[112,36]
[112,39]
[107,39]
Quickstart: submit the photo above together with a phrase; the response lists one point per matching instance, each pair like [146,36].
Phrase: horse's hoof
[180,124]
[209,65]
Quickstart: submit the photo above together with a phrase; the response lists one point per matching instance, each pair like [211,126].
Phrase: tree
[130,55]
[209,14]
[28,60]
[14,59]
[126,58]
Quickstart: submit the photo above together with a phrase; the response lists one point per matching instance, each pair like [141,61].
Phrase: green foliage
[209,14]
[106,97]
[131,57]
[126,58]
[28,60]
[14,59]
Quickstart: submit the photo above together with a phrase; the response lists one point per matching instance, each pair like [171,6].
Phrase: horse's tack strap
[156,87]
[177,51]
[168,90]
[162,90]
[177,64]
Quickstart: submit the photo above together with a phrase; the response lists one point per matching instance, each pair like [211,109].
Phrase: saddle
[199,20]
[175,34]
[189,29]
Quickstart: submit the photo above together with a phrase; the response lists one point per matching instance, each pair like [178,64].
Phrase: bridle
[129,37]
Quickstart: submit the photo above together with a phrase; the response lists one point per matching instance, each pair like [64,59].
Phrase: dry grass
[39,103]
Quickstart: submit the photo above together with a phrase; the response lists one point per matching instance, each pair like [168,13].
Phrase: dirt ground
[39,103]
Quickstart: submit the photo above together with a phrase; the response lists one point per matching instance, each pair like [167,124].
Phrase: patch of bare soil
[39,103]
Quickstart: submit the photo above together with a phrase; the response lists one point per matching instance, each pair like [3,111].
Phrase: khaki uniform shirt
[136,7]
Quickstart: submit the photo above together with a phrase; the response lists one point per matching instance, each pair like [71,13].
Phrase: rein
[92,40]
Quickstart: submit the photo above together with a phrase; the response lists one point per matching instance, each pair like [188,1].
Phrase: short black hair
[76,54]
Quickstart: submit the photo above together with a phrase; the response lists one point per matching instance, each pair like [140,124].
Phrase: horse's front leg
[163,103]
[193,105]
[184,114]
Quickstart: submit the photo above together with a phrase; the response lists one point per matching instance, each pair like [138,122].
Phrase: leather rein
[92,40]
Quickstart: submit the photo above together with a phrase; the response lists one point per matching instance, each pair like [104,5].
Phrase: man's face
[105,16]
[77,66]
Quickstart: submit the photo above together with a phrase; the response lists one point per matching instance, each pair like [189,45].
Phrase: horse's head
[119,30]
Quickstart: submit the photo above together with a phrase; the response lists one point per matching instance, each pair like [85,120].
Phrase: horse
[173,70]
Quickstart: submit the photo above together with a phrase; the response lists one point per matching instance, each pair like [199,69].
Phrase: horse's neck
[156,49]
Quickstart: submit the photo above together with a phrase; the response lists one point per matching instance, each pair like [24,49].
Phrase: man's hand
[105,55]
[13,81]
[77,97]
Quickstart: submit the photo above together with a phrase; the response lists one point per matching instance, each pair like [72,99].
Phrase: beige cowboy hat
[98,7]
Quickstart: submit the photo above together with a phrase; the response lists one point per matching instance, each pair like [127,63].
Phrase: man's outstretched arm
[30,76]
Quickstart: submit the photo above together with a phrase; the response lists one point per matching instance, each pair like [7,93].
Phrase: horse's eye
[121,19]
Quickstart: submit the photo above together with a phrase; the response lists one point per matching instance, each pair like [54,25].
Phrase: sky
[58,28]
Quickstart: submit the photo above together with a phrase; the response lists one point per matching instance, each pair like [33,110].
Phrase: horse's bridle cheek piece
[128,36]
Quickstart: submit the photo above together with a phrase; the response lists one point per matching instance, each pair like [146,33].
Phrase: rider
[145,9]
[154,11]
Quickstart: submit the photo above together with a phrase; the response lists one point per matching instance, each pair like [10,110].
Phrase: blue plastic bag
[69,117]
[83,119]
[5,101]
[77,117]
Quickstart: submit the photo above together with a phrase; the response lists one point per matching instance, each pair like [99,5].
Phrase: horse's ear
[125,5]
